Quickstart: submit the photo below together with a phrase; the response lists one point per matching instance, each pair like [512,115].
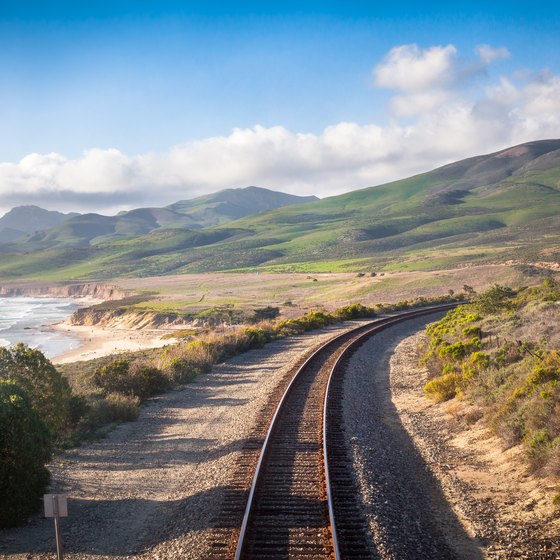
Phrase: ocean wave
[22,319]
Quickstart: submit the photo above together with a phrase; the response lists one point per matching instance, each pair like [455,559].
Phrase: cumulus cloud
[409,68]
[433,121]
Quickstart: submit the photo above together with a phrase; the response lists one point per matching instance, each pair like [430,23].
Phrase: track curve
[300,501]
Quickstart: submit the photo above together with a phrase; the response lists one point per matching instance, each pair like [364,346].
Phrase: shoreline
[96,342]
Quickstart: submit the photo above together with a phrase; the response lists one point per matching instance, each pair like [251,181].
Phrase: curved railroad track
[301,502]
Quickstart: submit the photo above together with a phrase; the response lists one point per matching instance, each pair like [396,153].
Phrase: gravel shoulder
[153,488]
[432,485]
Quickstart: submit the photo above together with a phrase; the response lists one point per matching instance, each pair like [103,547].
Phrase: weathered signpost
[56,506]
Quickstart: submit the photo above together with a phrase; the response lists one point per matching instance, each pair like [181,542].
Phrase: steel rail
[376,327]
[368,330]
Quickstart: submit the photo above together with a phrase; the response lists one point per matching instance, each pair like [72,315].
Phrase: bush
[25,447]
[147,380]
[495,300]
[114,407]
[355,311]
[139,379]
[113,377]
[515,382]
[181,369]
[48,390]
[257,337]
[443,388]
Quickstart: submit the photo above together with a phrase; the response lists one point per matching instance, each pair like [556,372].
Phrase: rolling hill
[489,208]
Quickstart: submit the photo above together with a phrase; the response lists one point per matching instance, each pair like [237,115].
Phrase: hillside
[490,208]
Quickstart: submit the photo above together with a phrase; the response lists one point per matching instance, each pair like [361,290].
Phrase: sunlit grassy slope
[485,209]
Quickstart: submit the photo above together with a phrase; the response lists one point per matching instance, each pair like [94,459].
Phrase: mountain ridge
[83,230]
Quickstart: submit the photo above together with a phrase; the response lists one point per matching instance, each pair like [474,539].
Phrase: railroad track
[302,499]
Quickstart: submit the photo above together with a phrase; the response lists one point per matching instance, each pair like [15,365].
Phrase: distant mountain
[28,219]
[231,204]
[492,208]
[205,211]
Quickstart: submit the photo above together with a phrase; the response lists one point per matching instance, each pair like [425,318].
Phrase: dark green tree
[25,447]
[49,392]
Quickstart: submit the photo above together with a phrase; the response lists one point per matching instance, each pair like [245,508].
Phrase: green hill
[488,208]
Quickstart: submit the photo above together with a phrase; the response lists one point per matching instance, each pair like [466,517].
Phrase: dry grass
[297,293]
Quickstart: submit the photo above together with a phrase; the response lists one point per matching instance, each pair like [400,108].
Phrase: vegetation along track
[297,506]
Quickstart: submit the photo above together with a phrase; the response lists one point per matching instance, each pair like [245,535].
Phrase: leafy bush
[495,300]
[257,338]
[114,407]
[140,379]
[25,447]
[443,388]
[354,311]
[113,377]
[48,390]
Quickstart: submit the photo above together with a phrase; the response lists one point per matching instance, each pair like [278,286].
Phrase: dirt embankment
[86,289]
[123,318]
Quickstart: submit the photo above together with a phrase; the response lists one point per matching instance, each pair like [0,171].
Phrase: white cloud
[409,68]
[489,54]
[442,123]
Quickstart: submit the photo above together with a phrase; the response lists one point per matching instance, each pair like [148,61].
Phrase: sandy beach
[100,341]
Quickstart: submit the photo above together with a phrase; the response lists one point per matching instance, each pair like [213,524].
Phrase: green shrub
[114,407]
[48,390]
[354,311]
[495,300]
[25,447]
[140,379]
[443,388]
[181,369]
[309,321]
[516,383]
[548,370]
[257,338]
[147,380]
[113,377]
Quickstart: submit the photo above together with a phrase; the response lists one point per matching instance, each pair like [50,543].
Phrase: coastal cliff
[123,318]
[87,289]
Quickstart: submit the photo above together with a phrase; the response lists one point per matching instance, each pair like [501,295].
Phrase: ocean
[26,319]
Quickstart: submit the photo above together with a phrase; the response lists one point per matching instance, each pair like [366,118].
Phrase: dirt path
[153,486]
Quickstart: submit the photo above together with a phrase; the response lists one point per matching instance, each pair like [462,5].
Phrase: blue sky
[141,101]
